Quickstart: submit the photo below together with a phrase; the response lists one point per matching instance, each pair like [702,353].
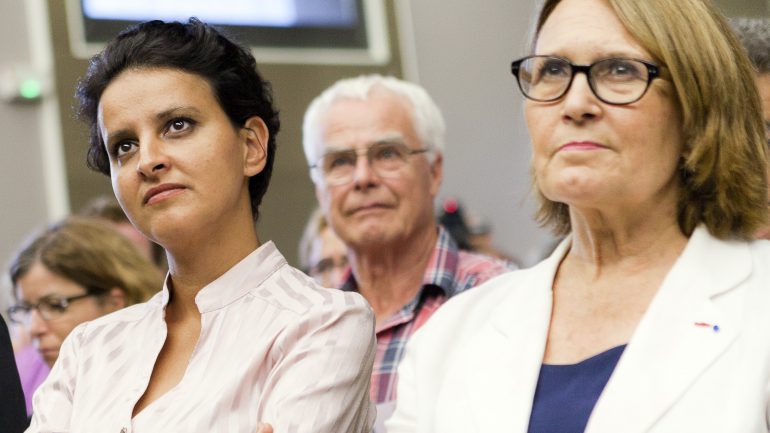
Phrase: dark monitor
[279,31]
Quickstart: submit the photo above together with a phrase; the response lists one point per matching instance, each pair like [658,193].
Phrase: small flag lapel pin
[708,325]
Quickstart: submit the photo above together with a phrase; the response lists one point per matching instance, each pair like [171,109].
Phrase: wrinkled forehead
[355,123]
[586,31]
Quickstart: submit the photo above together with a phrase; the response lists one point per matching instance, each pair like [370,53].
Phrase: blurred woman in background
[72,272]
[322,254]
[107,208]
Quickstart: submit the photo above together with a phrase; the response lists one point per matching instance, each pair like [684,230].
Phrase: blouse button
[123,430]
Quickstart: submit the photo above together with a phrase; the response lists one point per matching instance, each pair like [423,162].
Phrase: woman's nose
[37,325]
[580,103]
[152,157]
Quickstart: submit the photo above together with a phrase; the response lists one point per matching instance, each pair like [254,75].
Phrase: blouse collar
[237,281]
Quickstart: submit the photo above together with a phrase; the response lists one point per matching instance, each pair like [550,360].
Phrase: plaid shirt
[450,271]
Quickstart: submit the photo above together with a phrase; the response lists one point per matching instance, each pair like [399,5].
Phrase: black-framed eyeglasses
[386,159]
[616,81]
[50,307]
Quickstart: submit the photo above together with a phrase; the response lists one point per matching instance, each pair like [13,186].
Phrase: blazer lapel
[680,335]
[500,387]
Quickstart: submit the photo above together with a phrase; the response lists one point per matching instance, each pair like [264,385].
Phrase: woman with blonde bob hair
[722,169]
[651,316]
[74,271]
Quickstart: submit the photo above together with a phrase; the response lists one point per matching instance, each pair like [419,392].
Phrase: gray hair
[426,116]
[754,34]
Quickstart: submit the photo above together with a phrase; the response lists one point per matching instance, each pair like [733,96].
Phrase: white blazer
[473,367]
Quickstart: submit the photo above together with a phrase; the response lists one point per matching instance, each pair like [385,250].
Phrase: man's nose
[363,173]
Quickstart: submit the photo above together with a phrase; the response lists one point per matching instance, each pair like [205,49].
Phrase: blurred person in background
[109,209]
[72,272]
[375,147]
[649,155]
[322,254]
[471,231]
[32,367]
[754,34]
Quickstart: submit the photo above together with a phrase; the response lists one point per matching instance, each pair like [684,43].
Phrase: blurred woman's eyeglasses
[49,307]
[615,81]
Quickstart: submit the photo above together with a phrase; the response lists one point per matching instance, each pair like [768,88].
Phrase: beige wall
[31,193]
[744,8]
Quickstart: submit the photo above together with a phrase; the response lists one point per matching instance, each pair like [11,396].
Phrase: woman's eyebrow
[175,111]
[117,136]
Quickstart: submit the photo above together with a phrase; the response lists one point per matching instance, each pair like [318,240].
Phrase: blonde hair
[316,224]
[108,208]
[723,165]
[89,252]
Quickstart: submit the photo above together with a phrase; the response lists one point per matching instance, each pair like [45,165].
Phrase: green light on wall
[30,89]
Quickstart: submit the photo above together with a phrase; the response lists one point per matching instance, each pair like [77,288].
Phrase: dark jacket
[13,415]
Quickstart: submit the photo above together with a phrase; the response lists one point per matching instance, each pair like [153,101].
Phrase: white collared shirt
[274,347]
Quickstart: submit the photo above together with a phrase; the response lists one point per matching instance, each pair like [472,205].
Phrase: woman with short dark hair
[184,126]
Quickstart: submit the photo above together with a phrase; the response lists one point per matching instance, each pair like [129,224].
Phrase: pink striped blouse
[274,347]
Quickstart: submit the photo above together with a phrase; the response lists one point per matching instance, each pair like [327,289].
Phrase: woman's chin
[580,194]
[172,233]
[49,356]
[576,182]
[763,233]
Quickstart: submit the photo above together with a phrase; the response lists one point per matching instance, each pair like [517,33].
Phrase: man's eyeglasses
[614,81]
[385,158]
[50,307]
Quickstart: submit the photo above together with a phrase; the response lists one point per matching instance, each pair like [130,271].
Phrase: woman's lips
[162,192]
[581,145]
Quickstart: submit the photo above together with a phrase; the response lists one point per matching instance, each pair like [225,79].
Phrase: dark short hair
[192,47]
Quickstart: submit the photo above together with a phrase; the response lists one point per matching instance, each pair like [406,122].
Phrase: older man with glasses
[375,146]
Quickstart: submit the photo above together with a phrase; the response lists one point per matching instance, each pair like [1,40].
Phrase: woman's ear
[116,299]
[256,135]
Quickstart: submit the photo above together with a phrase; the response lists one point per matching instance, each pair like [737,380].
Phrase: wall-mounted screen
[279,31]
